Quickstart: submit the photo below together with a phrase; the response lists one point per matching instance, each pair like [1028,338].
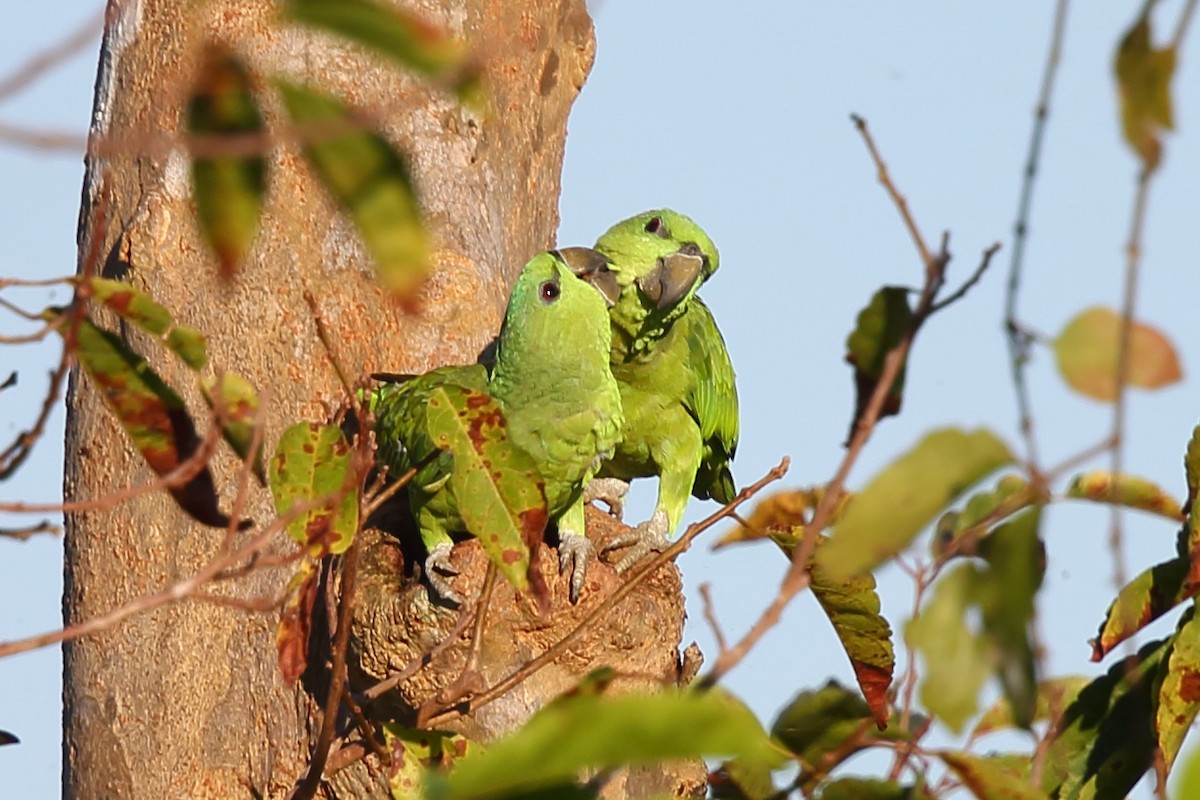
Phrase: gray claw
[649,535]
[610,491]
[575,551]
[437,565]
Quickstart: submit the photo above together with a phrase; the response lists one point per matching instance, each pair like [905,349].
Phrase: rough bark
[186,701]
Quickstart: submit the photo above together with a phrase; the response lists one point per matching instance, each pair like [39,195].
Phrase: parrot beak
[592,267]
[672,279]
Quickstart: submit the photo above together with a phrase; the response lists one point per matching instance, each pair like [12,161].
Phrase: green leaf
[1141,601]
[1016,560]
[152,414]
[1130,491]
[313,465]
[880,326]
[1105,741]
[224,119]
[597,731]
[1086,352]
[830,721]
[138,308]
[887,515]
[956,659]
[852,606]
[1144,85]
[1179,694]
[1191,464]
[415,751]
[990,779]
[500,493]
[1053,696]
[742,779]
[871,789]
[399,35]
[236,403]
[370,180]
[1187,778]
[1010,495]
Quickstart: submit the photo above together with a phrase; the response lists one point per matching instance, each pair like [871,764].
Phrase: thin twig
[1018,344]
[1185,18]
[41,63]
[961,291]
[28,532]
[893,192]
[710,615]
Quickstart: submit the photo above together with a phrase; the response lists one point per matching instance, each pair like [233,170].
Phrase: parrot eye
[549,291]
[657,227]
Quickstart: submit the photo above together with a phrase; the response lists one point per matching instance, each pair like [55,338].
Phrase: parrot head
[662,253]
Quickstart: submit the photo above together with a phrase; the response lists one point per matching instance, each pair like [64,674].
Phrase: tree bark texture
[186,700]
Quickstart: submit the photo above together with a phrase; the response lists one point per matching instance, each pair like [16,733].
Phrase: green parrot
[673,369]
[560,404]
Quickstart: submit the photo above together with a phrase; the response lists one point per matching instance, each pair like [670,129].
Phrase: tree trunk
[187,700]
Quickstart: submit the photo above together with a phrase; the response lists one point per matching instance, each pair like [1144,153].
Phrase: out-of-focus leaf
[1105,741]
[8,738]
[990,779]
[295,620]
[1144,84]
[1016,560]
[741,779]
[1053,697]
[371,181]
[852,606]
[1131,491]
[879,328]
[1187,778]
[1010,495]
[138,308]
[313,464]
[399,35]
[1179,694]
[414,751]
[1141,601]
[830,721]
[238,404]
[886,515]
[871,789]
[1086,352]
[1191,465]
[956,658]
[152,414]
[229,186]
[789,510]
[596,731]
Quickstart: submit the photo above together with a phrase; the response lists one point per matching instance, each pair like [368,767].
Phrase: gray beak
[593,267]
[672,279]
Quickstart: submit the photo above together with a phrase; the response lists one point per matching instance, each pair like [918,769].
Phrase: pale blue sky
[737,114]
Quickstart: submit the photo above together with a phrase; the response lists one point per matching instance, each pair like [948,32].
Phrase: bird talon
[610,491]
[650,535]
[575,551]
[437,565]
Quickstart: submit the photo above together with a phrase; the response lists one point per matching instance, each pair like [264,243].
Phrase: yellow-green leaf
[1141,601]
[138,308]
[1130,491]
[399,35]
[313,466]
[415,751]
[1087,350]
[990,779]
[1053,697]
[887,515]
[825,726]
[1010,495]
[1179,694]
[236,403]
[1144,76]
[370,180]
[229,168]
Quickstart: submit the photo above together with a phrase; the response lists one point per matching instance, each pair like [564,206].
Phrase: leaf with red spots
[370,180]
[879,328]
[1179,694]
[229,184]
[852,606]
[295,621]
[415,752]
[1130,491]
[499,491]
[1141,601]
[136,307]
[235,402]
[400,35]
[1105,741]
[313,472]
[152,414]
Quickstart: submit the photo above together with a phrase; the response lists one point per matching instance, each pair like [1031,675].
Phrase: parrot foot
[437,568]
[650,535]
[575,551]
[610,491]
